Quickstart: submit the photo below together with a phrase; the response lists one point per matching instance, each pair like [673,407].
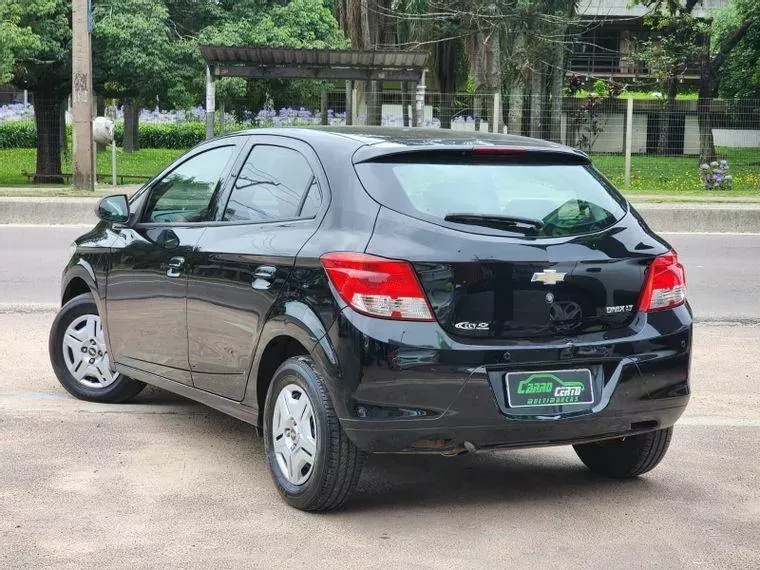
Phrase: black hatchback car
[369,290]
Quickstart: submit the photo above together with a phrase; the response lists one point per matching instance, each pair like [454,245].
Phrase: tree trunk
[47,119]
[536,100]
[62,126]
[707,86]
[517,90]
[666,119]
[131,126]
[557,83]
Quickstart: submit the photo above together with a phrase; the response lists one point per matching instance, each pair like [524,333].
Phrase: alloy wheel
[85,353]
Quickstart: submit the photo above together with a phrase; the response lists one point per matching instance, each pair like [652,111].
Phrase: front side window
[185,194]
[275,183]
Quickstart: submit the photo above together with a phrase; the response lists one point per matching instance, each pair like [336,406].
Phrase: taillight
[378,287]
[665,284]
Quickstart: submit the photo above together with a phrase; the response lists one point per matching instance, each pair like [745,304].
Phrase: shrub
[165,135]
[18,134]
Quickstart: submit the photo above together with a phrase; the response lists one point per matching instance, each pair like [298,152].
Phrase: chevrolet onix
[352,291]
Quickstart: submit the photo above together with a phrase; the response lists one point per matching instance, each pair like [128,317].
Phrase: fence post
[349,103]
[323,107]
[210,103]
[420,102]
[496,119]
[113,162]
[628,142]
[354,105]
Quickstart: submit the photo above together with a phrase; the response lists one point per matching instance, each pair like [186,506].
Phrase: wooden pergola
[292,63]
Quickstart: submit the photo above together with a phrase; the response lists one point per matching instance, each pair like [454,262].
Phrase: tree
[739,77]
[44,68]
[668,53]
[138,58]
[297,24]
[19,42]
[712,55]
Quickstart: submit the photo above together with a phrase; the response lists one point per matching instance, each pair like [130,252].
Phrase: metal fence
[642,145]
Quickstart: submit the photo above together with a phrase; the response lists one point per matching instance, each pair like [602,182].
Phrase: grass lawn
[680,175]
[146,162]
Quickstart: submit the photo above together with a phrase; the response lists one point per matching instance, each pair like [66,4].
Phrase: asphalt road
[167,482]
[722,269]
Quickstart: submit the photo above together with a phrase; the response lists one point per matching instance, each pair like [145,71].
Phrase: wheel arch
[296,331]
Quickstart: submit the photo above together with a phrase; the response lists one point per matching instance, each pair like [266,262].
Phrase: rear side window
[275,183]
[567,199]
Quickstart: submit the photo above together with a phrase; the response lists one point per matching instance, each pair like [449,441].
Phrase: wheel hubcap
[294,434]
[85,354]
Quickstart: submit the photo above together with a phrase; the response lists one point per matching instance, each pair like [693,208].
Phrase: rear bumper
[438,395]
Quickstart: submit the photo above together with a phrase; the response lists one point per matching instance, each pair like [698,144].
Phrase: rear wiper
[495,221]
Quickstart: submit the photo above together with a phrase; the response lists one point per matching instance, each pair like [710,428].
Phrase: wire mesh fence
[664,139]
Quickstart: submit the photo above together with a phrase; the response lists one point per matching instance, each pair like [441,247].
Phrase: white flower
[704,166]
[657,94]
[714,164]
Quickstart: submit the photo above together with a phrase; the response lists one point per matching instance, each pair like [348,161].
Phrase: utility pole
[81,96]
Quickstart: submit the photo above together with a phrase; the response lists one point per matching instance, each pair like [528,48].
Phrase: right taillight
[665,284]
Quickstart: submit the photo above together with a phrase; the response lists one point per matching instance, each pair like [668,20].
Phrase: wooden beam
[329,73]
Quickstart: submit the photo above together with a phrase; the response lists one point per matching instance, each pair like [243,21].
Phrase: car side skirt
[224,405]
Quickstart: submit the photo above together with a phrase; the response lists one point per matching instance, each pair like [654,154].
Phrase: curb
[48,211]
[662,217]
[701,218]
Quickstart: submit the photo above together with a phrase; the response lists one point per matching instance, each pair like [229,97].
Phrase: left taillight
[665,284]
[378,287]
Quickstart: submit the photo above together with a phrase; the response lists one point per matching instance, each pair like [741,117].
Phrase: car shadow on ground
[542,477]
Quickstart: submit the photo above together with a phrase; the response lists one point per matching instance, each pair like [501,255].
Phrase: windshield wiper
[495,221]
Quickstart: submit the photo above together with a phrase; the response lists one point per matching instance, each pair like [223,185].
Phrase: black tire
[121,390]
[626,457]
[338,462]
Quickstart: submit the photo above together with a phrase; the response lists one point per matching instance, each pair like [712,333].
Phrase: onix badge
[548,277]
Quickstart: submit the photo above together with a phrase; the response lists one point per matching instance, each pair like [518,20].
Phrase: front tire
[312,462]
[626,457]
[80,357]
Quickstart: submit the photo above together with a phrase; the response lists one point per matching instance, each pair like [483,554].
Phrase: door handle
[175,266]
[262,277]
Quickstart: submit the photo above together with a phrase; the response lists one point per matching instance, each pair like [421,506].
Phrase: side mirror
[113,209]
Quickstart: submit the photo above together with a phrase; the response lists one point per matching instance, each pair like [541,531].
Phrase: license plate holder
[549,388]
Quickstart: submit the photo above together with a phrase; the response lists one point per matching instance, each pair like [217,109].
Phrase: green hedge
[165,135]
[18,134]
[23,134]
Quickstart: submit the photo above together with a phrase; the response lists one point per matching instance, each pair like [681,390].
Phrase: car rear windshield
[562,199]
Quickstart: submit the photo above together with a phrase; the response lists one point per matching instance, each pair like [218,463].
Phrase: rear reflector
[665,284]
[378,287]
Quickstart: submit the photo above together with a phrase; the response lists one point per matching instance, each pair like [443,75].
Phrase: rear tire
[626,457]
[312,462]
[80,357]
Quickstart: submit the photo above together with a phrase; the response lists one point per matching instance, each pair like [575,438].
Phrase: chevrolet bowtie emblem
[548,277]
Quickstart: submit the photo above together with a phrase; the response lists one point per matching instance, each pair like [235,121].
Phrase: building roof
[625,8]
[254,61]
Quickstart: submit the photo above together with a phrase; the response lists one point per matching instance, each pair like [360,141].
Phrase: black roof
[387,140]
